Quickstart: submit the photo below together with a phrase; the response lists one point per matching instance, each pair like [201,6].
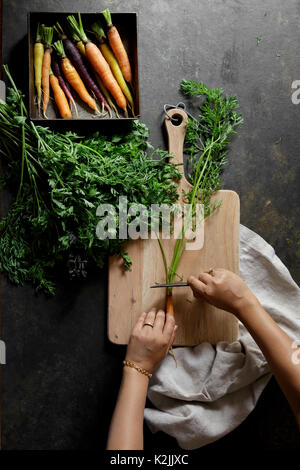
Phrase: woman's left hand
[149,345]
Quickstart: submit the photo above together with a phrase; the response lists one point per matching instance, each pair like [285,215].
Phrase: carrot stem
[107,17]
[78,27]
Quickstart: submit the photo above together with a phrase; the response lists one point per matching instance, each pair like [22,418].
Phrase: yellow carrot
[113,63]
[107,96]
[80,47]
[38,54]
[47,38]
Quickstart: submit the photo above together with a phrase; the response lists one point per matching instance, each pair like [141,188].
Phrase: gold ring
[148,324]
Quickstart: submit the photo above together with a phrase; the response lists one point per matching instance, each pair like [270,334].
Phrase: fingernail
[175,327]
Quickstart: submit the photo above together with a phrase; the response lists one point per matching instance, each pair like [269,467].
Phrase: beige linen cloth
[215,388]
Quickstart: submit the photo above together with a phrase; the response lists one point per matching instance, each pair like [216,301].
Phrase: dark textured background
[62,375]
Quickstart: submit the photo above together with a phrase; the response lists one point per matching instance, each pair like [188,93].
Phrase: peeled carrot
[47,37]
[99,64]
[73,77]
[112,62]
[59,97]
[38,54]
[169,304]
[170,310]
[117,46]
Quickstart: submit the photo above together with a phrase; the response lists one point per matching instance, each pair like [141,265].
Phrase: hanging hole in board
[177,119]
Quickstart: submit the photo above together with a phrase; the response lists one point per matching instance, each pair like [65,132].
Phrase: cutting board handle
[176,135]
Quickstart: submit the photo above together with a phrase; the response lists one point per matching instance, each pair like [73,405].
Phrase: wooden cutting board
[129,292]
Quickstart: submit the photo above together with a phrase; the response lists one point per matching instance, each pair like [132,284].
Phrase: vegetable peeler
[174,284]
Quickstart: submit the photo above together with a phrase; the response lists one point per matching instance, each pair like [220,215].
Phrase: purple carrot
[78,62]
[64,86]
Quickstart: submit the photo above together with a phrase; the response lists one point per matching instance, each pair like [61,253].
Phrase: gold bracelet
[139,369]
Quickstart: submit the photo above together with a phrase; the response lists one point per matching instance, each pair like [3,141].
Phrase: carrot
[100,66]
[170,310]
[73,77]
[107,96]
[38,54]
[59,97]
[80,47]
[79,63]
[118,47]
[169,304]
[112,62]
[98,63]
[47,37]
[64,86]
[78,43]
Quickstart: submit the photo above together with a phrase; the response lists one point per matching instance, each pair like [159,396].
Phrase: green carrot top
[73,35]
[98,31]
[58,29]
[77,27]
[39,33]
[47,34]
[59,49]
[107,17]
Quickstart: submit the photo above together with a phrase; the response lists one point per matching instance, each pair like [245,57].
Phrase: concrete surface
[62,375]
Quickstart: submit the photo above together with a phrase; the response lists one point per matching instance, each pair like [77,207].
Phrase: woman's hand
[149,345]
[224,289]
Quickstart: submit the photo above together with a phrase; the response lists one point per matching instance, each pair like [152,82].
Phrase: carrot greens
[57,181]
[206,146]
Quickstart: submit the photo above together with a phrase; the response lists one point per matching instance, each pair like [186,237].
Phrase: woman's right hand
[223,289]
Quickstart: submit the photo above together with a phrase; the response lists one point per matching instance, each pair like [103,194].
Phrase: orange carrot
[60,98]
[117,46]
[73,77]
[47,37]
[76,82]
[102,68]
[169,304]
[45,80]
[170,310]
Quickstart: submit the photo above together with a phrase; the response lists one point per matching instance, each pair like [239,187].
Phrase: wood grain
[129,293]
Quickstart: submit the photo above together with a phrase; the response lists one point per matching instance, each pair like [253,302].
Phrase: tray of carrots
[83,66]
